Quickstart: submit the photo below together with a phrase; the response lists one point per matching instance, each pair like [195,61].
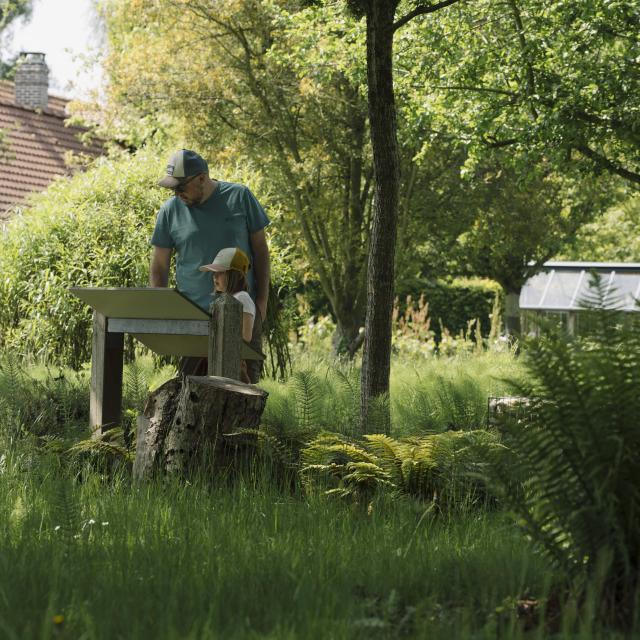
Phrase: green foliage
[12,9]
[292,567]
[612,238]
[438,403]
[453,304]
[440,468]
[91,230]
[40,402]
[135,386]
[578,454]
[306,393]
[553,82]
[523,142]
[104,448]
[64,513]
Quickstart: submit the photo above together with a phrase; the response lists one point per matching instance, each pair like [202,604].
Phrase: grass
[427,395]
[176,560]
[84,554]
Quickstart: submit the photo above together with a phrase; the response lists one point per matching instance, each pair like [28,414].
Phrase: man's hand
[159,269]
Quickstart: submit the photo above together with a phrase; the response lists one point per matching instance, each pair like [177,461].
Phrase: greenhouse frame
[560,290]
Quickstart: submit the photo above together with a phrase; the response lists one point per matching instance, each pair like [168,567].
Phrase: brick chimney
[32,81]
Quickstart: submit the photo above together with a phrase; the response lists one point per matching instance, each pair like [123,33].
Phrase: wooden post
[225,337]
[107,351]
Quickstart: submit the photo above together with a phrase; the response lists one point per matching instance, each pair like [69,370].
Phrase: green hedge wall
[452,304]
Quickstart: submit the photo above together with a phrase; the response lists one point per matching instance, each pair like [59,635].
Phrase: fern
[266,443]
[307,400]
[440,467]
[65,512]
[579,451]
[346,402]
[12,397]
[107,447]
[378,415]
[136,386]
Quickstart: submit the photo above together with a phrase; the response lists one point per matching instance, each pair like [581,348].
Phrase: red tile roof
[33,147]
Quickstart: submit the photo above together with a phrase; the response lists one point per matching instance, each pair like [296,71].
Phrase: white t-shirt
[248,305]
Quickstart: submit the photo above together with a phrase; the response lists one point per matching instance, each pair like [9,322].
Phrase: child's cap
[228,259]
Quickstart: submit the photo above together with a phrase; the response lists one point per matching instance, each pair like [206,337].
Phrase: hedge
[454,303]
[92,229]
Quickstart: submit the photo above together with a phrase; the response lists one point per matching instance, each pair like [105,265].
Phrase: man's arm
[261,270]
[159,269]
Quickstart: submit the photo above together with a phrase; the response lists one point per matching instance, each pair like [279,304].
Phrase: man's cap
[183,164]
[229,259]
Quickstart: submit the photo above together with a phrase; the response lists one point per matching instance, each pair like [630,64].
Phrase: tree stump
[185,420]
[507,407]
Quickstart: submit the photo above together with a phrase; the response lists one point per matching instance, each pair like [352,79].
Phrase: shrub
[91,230]
[578,455]
[453,304]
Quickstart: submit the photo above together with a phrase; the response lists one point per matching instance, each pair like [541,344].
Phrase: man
[204,216]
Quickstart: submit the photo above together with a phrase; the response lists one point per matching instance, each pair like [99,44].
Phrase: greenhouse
[562,290]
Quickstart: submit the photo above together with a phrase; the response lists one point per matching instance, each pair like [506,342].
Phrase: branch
[355,344]
[499,144]
[530,76]
[419,11]
[502,92]
[607,164]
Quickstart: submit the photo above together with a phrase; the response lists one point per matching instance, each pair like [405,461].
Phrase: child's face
[220,281]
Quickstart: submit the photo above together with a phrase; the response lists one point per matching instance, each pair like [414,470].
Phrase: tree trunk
[185,421]
[512,325]
[346,338]
[376,362]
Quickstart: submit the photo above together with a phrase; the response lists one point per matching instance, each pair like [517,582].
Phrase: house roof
[34,145]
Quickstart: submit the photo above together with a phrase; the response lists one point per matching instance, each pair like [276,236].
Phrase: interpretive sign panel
[164,320]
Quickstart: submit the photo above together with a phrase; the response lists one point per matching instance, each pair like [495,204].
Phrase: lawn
[84,553]
[243,560]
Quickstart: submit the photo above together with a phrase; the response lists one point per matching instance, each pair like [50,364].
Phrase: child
[229,269]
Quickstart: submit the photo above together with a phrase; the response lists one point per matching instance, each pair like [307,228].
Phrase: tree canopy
[516,124]
[9,11]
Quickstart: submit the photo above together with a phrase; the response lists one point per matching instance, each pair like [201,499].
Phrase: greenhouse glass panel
[566,286]
[562,290]
[533,290]
[625,289]
[586,292]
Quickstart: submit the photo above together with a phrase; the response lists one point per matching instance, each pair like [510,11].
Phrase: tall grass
[429,395]
[175,560]
[83,553]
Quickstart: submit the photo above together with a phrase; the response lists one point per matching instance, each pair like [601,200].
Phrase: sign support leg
[107,355]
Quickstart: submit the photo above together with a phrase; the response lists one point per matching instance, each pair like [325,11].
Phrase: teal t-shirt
[226,219]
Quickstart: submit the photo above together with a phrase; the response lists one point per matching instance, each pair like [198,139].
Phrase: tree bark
[376,364]
[512,325]
[185,421]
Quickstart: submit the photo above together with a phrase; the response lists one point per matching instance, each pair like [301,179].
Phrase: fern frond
[135,386]
[306,386]
[578,450]
[109,444]
[65,512]
[265,443]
